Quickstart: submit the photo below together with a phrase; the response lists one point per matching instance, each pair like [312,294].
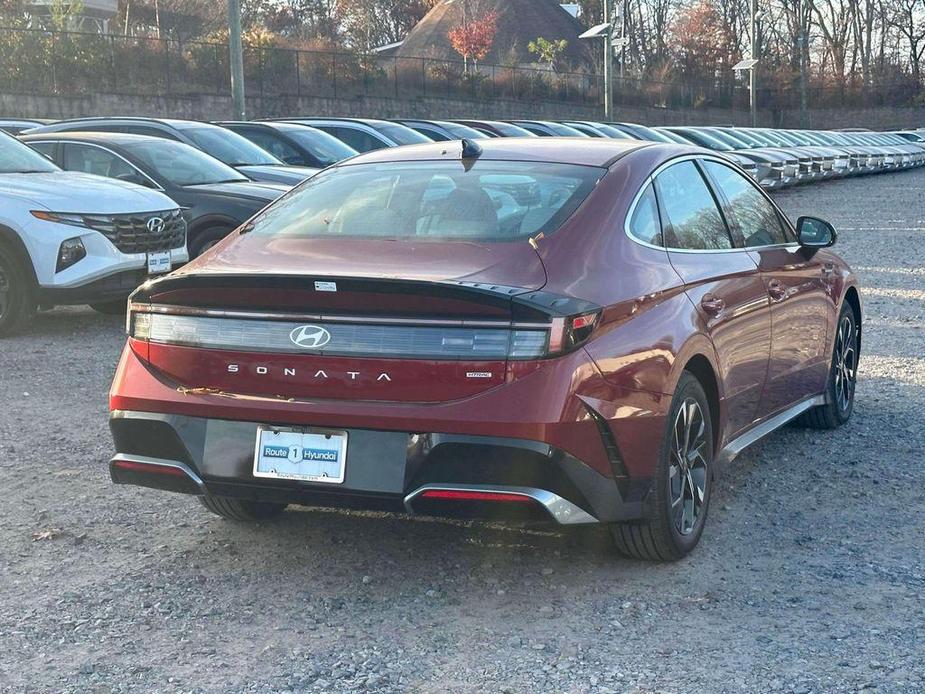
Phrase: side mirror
[813,232]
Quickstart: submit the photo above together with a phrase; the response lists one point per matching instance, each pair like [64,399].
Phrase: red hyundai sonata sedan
[574,331]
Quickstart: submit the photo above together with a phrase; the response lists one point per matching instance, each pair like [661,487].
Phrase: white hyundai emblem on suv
[155,225]
[310,336]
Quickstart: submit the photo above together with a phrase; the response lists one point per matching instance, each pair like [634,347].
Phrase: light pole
[752,87]
[608,62]
[605,31]
[236,56]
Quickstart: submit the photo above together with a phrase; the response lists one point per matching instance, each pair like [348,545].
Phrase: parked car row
[180,186]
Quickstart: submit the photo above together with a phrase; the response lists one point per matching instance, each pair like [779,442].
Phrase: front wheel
[683,481]
[843,373]
[204,240]
[16,304]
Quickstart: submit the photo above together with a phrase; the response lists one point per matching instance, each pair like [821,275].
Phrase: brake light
[568,333]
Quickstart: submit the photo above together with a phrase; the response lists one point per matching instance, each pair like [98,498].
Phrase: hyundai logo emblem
[310,336]
[156,225]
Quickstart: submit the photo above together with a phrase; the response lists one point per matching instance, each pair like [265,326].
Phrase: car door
[723,283]
[796,280]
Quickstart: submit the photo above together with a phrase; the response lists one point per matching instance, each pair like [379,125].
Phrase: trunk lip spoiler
[525,303]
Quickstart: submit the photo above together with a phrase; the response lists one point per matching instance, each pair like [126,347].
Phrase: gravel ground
[810,576]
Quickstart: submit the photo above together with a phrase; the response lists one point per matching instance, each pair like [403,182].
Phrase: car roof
[275,125]
[100,138]
[356,121]
[585,151]
[178,123]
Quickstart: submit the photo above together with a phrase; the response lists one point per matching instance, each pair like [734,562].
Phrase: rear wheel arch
[700,367]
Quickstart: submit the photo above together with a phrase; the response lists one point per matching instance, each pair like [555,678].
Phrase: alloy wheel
[687,472]
[845,363]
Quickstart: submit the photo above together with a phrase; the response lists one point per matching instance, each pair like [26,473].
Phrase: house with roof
[518,23]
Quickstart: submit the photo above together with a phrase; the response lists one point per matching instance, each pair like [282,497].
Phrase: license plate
[308,455]
[158,263]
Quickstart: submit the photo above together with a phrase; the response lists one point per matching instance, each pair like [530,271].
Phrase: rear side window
[750,210]
[693,221]
[644,224]
[100,162]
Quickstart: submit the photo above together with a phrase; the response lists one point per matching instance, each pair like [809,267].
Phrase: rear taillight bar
[376,337]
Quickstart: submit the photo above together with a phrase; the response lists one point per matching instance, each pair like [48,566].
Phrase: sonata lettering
[289,371]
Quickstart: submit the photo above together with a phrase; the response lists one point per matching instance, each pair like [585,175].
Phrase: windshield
[706,140]
[459,131]
[432,201]
[730,140]
[326,148]
[15,157]
[181,164]
[400,134]
[230,147]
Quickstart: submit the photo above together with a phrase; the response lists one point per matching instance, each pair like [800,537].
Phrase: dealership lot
[811,579]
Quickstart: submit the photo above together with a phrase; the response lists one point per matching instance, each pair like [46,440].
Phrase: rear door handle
[777,290]
[712,304]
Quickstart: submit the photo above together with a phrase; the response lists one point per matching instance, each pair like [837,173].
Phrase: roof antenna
[470,149]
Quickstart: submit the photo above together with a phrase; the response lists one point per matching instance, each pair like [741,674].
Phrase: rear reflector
[149,468]
[460,495]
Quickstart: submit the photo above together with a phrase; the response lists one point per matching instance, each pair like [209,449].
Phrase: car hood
[247,190]
[68,191]
[510,263]
[291,175]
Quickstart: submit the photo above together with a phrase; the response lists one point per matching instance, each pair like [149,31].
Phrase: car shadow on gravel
[79,321]
[308,541]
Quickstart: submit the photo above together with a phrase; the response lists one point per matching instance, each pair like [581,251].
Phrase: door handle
[712,304]
[777,290]
[828,269]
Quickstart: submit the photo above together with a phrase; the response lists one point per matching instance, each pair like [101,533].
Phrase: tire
[201,241]
[241,509]
[16,302]
[673,524]
[843,372]
[111,308]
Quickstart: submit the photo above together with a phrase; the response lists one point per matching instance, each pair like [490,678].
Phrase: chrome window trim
[650,179]
[135,307]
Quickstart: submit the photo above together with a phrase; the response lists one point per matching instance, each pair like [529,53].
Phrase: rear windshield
[488,200]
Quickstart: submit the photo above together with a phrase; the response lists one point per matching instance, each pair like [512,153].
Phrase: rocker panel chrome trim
[732,449]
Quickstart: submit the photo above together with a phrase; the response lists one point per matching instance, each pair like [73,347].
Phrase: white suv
[72,238]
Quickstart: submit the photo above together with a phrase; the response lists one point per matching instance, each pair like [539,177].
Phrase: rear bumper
[423,473]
